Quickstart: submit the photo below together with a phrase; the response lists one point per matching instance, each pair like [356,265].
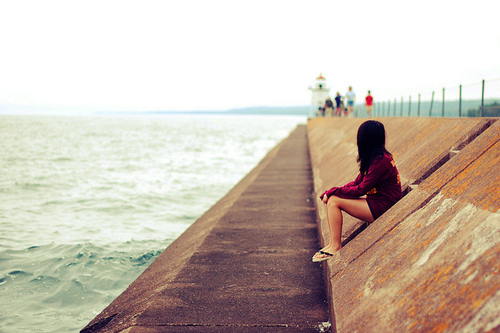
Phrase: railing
[480,99]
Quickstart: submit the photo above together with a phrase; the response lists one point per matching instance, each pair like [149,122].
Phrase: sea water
[88,202]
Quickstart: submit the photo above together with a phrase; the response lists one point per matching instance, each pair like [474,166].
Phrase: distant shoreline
[450,109]
[275,111]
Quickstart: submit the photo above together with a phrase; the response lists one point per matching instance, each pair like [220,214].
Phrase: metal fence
[478,99]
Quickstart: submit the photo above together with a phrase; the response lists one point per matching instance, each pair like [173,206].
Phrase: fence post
[432,102]
[442,109]
[418,108]
[460,102]
[409,107]
[388,108]
[394,107]
[482,100]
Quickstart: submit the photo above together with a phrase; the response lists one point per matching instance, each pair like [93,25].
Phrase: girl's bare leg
[355,207]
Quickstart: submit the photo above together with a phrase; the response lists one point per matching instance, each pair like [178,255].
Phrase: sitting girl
[378,179]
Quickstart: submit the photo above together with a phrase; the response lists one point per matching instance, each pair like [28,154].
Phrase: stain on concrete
[430,263]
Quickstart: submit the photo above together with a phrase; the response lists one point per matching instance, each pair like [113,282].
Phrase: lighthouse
[320,92]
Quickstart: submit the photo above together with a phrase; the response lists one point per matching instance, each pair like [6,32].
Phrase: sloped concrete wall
[430,263]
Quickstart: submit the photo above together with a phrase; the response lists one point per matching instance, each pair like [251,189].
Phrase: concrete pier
[245,266]
[429,264]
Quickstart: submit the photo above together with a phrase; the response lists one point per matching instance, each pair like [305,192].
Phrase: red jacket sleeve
[362,184]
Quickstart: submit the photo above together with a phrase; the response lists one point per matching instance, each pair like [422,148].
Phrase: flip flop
[326,256]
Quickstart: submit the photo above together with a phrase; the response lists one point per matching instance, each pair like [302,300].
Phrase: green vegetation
[491,110]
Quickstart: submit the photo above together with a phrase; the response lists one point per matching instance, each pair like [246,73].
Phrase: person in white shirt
[351,99]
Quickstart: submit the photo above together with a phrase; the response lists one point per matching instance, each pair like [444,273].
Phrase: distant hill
[272,110]
[451,107]
[257,110]
[489,110]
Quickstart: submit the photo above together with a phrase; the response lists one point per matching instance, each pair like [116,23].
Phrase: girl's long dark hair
[371,143]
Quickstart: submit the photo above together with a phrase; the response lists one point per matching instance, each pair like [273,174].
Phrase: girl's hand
[325,199]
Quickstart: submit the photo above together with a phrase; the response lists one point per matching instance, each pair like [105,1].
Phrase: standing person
[320,112]
[328,107]
[338,102]
[351,99]
[369,104]
[378,179]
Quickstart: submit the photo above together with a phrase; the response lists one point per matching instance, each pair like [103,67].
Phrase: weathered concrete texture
[419,145]
[430,264]
[244,266]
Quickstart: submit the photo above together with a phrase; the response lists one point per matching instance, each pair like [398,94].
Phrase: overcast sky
[218,55]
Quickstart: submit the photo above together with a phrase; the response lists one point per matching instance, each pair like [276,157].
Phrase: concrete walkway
[245,266]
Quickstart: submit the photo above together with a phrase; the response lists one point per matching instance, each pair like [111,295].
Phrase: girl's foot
[321,256]
[325,253]
[331,249]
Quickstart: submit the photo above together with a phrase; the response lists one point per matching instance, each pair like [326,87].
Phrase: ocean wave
[76,277]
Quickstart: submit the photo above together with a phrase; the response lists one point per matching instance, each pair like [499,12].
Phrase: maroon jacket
[381,185]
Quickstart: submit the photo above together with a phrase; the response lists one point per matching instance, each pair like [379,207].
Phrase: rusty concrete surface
[430,264]
[419,145]
[244,266]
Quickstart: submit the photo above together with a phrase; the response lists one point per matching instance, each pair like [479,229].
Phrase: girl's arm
[361,185]
[331,191]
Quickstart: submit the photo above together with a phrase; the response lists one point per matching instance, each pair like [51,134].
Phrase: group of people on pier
[344,105]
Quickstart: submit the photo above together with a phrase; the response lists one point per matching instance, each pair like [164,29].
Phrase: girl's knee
[333,201]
